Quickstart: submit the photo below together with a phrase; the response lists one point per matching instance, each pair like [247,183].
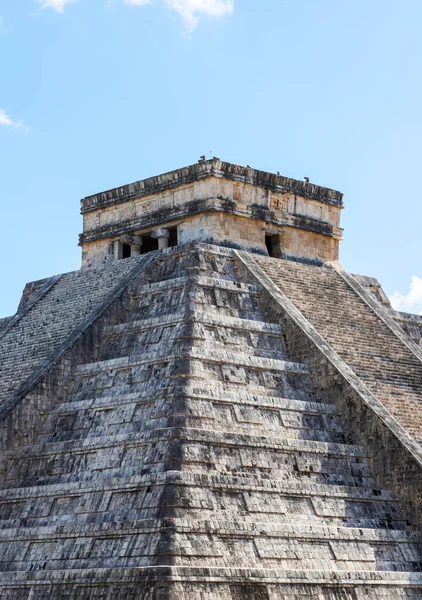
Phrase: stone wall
[397,458]
[307,217]
[297,243]
[180,447]
[225,229]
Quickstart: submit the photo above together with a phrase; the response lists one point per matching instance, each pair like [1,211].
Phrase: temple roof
[211,168]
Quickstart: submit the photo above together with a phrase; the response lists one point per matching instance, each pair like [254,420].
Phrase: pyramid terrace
[211,408]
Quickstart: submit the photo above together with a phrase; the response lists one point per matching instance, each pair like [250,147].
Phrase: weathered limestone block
[182,448]
[219,203]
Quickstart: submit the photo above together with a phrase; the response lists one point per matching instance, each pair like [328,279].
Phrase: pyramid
[217,413]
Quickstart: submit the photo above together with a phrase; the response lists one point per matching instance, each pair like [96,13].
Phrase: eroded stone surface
[357,334]
[190,455]
[214,202]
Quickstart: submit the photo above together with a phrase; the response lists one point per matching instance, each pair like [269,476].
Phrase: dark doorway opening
[173,237]
[269,244]
[148,244]
[126,251]
[272,243]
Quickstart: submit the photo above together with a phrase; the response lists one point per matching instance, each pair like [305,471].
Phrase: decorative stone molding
[218,203]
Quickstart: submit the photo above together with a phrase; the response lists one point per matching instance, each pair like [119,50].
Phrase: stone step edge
[137,267]
[179,526]
[239,484]
[199,280]
[30,303]
[107,516]
[210,385]
[223,438]
[207,317]
[260,272]
[195,247]
[193,305]
[379,310]
[203,422]
[221,357]
[279,403]
[215,575]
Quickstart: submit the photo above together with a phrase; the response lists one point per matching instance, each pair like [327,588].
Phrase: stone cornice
[211,168]
[170,214]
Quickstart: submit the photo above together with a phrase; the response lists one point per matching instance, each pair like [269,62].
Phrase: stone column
[136,245]
[118,250]
[134,241]
[162,235]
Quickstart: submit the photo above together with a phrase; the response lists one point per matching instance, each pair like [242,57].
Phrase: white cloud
[137,2]
[412,301]
[57,5]
[191,10]
[7,121]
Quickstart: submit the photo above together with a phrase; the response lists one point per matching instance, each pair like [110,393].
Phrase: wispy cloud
[412,301]
[57,5]
[192,10]
[137,2]
[7,121]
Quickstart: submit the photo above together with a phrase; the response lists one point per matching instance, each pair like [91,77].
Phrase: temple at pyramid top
[206,421]
[214,202]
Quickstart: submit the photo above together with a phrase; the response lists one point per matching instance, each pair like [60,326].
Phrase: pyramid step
[196,307]
[114,422]
[195,497]
[231,298]
[226,393]
[125,414]
[132,514]
[208,355]
[291,531]
[226,439]
[296,531]
[328,480]
[192,450]
[207,317]
[121,480]
[151,335]
[240,397]
[224,341]
[213,330]
[211,385]
[198,280]
[286,465]
[140,542]
[312,583]
[120,499]
[259,374]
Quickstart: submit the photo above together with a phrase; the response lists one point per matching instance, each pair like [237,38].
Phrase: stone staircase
[379,358]
[40,328]
[410,323]
[193,459]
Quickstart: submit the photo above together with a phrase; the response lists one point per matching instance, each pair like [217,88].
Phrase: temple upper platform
[214,202]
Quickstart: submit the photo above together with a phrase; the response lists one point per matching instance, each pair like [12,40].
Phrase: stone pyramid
[203,422]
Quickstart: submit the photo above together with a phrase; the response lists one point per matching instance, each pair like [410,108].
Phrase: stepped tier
[188,451]
[349,325]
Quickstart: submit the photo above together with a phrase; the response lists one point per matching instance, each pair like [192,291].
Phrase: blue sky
[99,93]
